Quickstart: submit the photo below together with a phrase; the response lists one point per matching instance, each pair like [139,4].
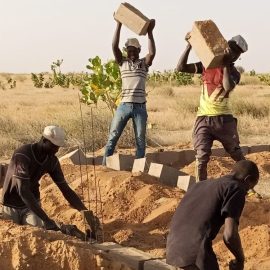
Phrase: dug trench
[136,211]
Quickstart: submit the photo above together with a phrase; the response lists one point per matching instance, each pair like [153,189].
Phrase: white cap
[55,135]
[240,42]
[133,42]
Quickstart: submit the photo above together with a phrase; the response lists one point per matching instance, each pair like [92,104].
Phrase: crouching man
[204,209]
[21,195]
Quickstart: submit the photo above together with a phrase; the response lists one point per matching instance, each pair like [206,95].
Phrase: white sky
[33,33]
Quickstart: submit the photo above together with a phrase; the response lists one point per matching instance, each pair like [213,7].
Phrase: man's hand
[236,265]
[91,220]
[51,225]
[151,26]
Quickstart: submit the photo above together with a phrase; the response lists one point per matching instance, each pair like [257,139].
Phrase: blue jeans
[124,112]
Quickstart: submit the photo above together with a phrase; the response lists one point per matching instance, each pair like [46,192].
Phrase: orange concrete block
[208,43]
[132,18]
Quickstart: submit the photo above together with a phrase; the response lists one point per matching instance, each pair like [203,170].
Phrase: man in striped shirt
[133,104]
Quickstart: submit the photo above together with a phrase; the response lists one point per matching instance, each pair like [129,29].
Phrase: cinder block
[98,160]
[77,157]
[189,156]
[132,18]
[120,162]
[156,264]
[245,150]
[140,165]
[208,43]
[167,175]
[185,182]
[169,158]
[259,148]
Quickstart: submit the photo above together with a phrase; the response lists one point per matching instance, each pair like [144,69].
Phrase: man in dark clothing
[214,118]
[21,196]
[204,209]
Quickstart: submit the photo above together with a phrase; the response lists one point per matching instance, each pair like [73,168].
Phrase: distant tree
[252,72]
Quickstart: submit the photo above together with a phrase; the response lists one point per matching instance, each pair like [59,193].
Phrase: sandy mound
[24,247]
[136,211]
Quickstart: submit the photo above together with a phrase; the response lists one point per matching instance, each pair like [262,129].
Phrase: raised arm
[182,65]
[151,44]
[115,44]
[232,241]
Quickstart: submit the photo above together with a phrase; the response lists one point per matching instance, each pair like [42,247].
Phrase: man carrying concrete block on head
[21,195]
[133,104]
[200,215]
[214,118]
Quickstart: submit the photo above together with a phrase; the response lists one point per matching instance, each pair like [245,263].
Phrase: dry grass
[25,111]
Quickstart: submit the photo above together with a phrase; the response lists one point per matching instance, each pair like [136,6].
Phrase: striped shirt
[134,77]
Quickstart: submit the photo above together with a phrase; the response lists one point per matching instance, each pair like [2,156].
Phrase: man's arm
[71,196]
[151,44]
[182,65]
[232,240]
[115,44]
[31,203]
[228,82]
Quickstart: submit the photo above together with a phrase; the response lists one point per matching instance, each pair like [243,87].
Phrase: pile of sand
[136,212]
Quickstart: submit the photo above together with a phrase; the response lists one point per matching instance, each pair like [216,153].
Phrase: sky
[34,33]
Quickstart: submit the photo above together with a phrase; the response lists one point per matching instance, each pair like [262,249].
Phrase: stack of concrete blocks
[120,162]
[3,171]
[132,18]
[208,43]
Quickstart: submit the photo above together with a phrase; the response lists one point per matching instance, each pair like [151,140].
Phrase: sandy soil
[136,211]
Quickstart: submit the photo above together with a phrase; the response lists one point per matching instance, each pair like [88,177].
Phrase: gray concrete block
[77,157]
[140,165]
[167,175]
[184,182]
[158,265]
[245,150]
[189,156]
[120,162]
[259,148]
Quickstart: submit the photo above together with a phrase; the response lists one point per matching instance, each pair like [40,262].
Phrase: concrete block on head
[140,165]
[208,43]
[132,18]
[120,162]
[259,148]
[167,175]
[185,182]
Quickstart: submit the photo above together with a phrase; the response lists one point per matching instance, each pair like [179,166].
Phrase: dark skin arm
[30,201]
[232,241]
[151,44]
[115,44]
[182,65]
[71,197]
